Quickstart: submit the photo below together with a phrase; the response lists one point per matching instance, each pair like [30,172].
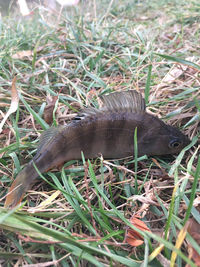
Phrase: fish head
[162,139]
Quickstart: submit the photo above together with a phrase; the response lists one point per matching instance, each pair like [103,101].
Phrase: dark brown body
[111,135]
[108,132]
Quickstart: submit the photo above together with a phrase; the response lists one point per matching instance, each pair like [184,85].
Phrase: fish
[108,131]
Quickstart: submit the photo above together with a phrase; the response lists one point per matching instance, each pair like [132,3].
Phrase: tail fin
[20,185]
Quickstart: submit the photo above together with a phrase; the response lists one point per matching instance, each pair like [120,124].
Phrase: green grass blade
[179,60]
[193,192]
[42,123]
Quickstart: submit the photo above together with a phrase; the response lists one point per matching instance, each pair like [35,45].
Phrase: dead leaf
[14,103]
[194,231]
[48,111]
[132,237]
[174,73]
[27,53]
[23,54]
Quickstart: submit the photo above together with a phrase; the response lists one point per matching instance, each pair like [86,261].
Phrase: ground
[80,214]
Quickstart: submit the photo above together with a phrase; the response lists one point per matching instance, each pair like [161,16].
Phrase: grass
[78,215]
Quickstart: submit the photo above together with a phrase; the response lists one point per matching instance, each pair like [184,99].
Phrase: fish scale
[108,131]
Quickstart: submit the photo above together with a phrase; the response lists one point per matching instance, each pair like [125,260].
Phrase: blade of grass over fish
[147,86]
[179,60]
[193,192]
[136,160]
[42,123]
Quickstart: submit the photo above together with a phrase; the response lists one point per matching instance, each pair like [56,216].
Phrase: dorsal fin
[131,101]
[46,137]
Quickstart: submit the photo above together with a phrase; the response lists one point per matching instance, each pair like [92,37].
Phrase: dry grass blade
[179,242]
[14,103]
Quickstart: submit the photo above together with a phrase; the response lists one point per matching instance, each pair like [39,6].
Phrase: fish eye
[174,144]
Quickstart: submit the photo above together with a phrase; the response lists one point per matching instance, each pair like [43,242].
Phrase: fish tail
[20,185]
